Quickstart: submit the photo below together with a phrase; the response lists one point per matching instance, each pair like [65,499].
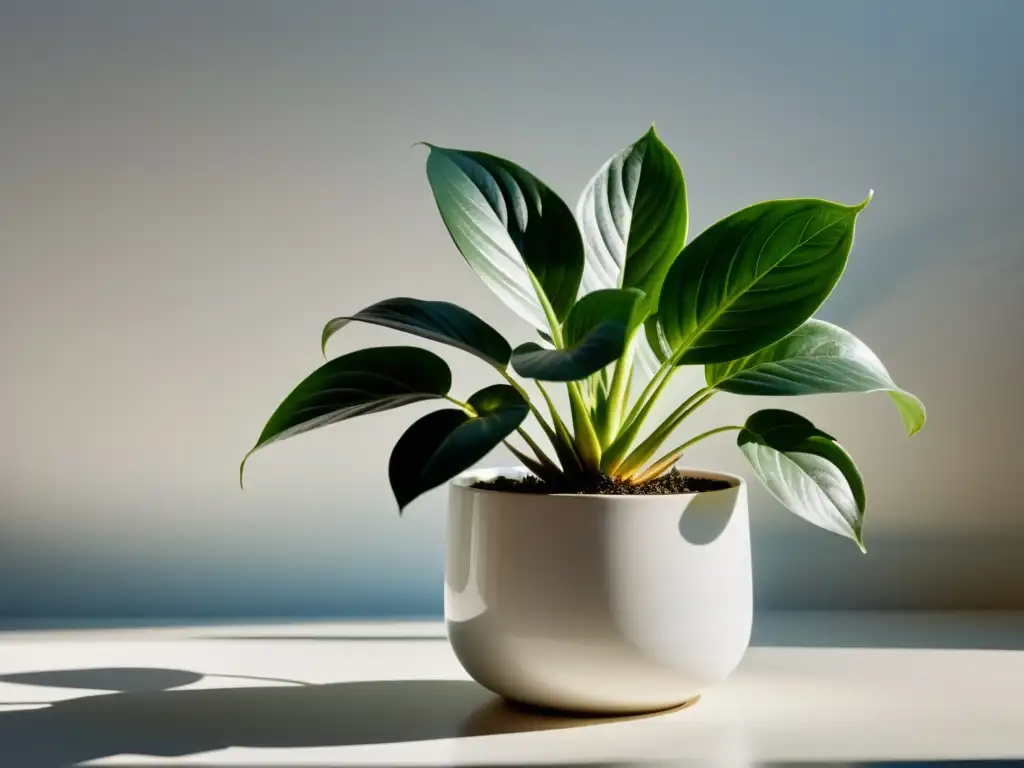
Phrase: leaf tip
[864,203]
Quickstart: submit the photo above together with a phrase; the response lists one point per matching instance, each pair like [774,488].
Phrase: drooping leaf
[361,382]
[806,470]
[444,443]
[753,278]
[596,332]
[435,320]
[634,218]
[517,234]
[817,357]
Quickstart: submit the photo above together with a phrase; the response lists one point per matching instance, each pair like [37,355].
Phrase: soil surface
[673,481]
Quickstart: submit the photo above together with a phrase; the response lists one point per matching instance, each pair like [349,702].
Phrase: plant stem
[617,395]
[586,440]
[646,449]
[651,391]
[538,452]
[533,465]
[587,446]
[536,414]
[464,406]
[615,453]
[665,462]
[561,438]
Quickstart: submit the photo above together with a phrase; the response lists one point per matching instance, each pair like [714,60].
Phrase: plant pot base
[599,714]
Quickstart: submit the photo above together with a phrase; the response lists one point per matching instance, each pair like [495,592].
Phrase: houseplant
[572,581]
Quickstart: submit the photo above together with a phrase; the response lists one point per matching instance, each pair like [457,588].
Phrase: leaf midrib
[700,328]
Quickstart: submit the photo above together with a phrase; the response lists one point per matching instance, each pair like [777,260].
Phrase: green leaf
[623,306]
[596,332]
[754,277]
[434,320]
[817,357]
[444,443]
[806,470]
[366,381]
[634,218]
[517,234]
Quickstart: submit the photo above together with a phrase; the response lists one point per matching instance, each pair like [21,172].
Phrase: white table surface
[832,689]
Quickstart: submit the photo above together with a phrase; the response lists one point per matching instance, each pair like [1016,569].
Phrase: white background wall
[188,191]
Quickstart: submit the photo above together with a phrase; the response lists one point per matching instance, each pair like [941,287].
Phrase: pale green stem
[586,439]
[538,452]
[539,469]
[615,453]
[536,414]
[646,449]
[587,445]
[617,394]
[464,406]
[561,432]
[669,459]
[651,391]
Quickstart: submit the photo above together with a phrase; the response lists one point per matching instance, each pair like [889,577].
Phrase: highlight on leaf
[621,302]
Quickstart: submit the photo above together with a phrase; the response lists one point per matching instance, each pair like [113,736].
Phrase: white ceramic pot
[598,604]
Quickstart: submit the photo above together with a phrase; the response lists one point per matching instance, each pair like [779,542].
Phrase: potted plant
[597,576]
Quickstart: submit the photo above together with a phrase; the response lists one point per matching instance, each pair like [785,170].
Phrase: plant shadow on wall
[619,303]
[148,717]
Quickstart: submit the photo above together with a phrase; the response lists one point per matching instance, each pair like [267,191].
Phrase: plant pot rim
[465,480]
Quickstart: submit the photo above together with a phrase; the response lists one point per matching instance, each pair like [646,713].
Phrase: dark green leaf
[596,333]
[623,306]
[816,358]
[434,320]
[517,234]
[366,381]
[444,443]
[633,217]
[806,470]
[754,277]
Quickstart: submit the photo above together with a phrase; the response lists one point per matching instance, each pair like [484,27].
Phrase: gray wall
[188,190]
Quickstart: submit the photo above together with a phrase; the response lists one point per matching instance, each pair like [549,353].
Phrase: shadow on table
[146,717]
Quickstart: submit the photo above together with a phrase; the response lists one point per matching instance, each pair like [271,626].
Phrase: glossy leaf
[623,306]
[806,470]
[753,278]
[444,443]
[366,381]
[817,357]
[596,333]
[517,234]
[435,320]
[634,218]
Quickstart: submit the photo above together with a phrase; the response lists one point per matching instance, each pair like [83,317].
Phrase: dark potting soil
[673,481]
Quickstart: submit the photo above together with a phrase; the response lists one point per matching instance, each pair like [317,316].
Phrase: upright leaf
[634,218]
[754,277]
[817,357]
[444,443]
[434,320]
[517,234]
[366,381]
[806,470]
[596,332]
